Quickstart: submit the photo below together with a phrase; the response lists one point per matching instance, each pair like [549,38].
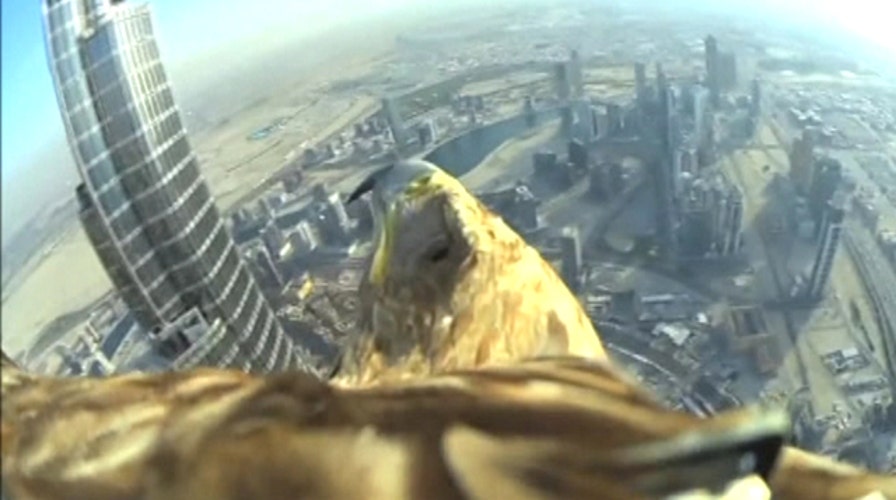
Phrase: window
[65,67]
[121,131]
[112,198]
[73,94]
[100,173]
[113,101]
[81,120]
[187,181]
[124,223]
[167,100]
[137,182]
[161,294]
[91,146]
[58,41]
[138,247]
[178,151]
[99,46]
[153,205]
[130,150]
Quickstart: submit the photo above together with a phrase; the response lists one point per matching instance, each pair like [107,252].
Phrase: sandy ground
[68,279]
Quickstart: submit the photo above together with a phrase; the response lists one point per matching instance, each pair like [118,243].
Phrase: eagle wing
[548,428]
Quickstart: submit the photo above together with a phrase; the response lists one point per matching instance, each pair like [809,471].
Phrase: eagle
[475,375]
[450,285]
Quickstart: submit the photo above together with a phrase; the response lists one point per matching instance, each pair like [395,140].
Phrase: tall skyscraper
[393,118]
[828,241]
[571,255]
[562,81]
[702,116]
[827,179]
[755,97]
[144,205]
[734,220]
[576,75]
[641,83]
[802,162]
[711,52]
[726,70]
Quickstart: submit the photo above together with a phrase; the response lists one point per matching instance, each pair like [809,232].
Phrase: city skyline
[25,75]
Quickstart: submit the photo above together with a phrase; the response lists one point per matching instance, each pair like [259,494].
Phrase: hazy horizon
[37,166]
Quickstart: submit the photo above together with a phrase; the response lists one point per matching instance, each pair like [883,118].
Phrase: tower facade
[571,255]
[576,75]
[711,52]
[640,83]
[144,204]
[562,82]
[393,119]
[828,241]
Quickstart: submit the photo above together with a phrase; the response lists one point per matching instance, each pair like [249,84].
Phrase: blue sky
[26,84]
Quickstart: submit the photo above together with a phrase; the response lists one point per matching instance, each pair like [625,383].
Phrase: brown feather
[549,428]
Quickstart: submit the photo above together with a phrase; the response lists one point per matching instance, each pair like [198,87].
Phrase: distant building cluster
[294,232]
[700,212]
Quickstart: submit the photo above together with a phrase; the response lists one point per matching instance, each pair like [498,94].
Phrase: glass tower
[143,203]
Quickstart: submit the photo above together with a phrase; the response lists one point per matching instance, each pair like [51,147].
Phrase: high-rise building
[702,116]
[144,204]
[426,133]
[662,83]
[615,123]
[802,162]
[734,221]
[641,83]
[726,72]
[828,241]
[393,118]
[755,97]
[529,111]
[567,120]
[585,125]
[666,214]
[562,81]
[598,184]
[578,154]
[576,76]
[826,180]
[571,254]
[711,52]
[668,130]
